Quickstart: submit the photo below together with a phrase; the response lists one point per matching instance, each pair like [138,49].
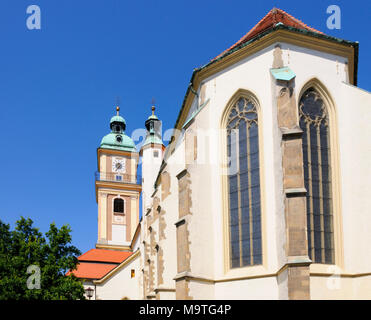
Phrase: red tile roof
[87,270]
[96,263]
[105,255]
[269,21]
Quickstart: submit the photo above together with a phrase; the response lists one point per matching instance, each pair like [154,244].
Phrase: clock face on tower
[118,165]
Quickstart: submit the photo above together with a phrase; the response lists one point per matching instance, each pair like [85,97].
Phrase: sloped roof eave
[104,256]
[91,271]
[110,273]
[261,35]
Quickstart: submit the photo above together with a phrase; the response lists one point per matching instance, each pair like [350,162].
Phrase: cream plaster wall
[150,167]
[118,234]
[354,116]
[251,74]
[121,284]
[136,244]
[206,225]
[353,107]
[167,295]
[103,164]
[202,290]
[252,289]
[102,216]
[336,287]
[134,215]
[201,221]
[307,64]
[105,209]
[170,207]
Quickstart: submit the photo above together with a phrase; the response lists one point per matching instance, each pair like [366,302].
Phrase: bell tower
[152,152]
[117,187]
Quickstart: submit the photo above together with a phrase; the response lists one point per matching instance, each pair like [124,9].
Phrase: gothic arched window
[118,205]
[244,212]
[314,121]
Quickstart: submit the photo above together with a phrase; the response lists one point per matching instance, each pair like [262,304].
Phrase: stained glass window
[244,185]
[314,122]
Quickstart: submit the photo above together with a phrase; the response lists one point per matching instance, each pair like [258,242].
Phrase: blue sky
[58,85]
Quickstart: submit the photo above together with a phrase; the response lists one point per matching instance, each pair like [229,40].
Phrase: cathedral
[263,191]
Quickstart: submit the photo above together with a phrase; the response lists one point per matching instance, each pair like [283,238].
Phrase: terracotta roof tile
[269,21]
[87,270]
[105,255]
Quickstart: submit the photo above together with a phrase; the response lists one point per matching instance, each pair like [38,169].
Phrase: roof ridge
[273,13]
[244,36]
[299,21]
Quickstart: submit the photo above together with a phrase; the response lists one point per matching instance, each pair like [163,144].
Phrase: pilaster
[182,237]
[298,262]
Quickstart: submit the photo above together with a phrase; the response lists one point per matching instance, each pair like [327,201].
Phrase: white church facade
[264,189]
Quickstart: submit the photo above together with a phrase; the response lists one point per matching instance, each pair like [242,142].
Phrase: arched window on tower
[244,204]
[118,205]
[314,121]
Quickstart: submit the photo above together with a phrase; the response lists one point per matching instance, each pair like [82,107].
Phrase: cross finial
[117,105]
[153,106]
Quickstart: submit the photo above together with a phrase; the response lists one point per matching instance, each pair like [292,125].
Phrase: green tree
[53,255]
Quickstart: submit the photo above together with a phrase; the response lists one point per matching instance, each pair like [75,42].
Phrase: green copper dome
[152,138]
[117,139]
[153,125]
[152,116]
[117,119]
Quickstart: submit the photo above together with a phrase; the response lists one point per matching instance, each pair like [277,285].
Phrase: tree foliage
[53,255]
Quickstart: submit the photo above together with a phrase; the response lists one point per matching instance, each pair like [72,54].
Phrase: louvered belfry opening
[314,121]
[244,185]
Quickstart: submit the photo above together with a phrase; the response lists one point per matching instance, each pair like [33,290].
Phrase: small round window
[119,139]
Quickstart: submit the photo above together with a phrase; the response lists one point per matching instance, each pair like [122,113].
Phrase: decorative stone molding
[182,234]
[297,269]
[165,185]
